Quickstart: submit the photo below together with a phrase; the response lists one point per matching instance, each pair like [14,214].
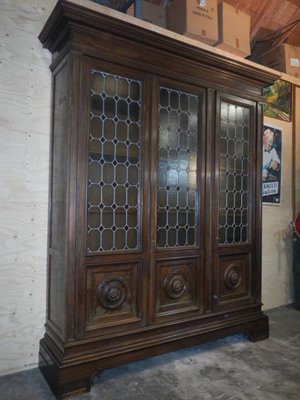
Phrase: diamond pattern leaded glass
[114,163]
[234,174]
[177,190]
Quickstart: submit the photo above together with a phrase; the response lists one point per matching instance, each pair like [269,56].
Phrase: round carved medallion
[112,293]
[175,285]
[232,277]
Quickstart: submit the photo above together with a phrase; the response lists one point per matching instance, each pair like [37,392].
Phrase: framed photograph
[271,165]
[278,101]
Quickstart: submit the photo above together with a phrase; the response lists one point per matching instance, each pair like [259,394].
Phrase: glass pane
[234,174]
[114,163]
[177,189]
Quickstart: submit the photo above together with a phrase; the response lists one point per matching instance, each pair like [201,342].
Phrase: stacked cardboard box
[197,19]
[234,30]
[153,13]
[285,58]
[223,26]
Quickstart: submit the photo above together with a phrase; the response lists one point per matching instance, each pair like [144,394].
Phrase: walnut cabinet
[155,216]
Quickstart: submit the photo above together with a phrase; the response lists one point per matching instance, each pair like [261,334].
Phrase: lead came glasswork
[114,163]
[234,174]
[177,189]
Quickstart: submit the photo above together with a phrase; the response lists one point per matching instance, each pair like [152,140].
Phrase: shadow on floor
[232,368]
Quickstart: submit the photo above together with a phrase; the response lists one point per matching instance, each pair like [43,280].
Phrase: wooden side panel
[58,201]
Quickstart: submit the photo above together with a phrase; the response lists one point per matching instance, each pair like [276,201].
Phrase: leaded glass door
[235,201]
[177,183]
[114,202]
[114,186]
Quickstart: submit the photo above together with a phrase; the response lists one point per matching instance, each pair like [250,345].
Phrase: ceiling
[272,21]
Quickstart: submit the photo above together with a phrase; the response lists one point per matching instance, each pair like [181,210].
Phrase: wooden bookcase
[155,210]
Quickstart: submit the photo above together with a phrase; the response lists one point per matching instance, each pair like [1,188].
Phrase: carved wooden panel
[177,286]
[113,295]
[233,278]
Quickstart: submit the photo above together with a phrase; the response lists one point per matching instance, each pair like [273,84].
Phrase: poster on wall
[278,100]
[271,166]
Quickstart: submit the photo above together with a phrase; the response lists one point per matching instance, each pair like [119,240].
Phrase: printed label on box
[295,62]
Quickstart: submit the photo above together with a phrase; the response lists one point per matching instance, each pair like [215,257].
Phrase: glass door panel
[177,169]
[178,267]
[234,178]
[114,163]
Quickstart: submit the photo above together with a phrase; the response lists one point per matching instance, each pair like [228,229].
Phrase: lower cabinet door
[179,288]
[233,281]
[114,295]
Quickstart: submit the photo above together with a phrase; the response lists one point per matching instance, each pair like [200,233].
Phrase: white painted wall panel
[277,245]
[25,87]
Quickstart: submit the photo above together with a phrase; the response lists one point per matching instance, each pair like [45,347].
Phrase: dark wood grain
[106,308]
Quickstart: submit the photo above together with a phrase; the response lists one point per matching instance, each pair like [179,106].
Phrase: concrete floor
[228,369]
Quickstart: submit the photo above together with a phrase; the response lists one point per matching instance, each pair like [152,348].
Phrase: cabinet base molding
[73,372]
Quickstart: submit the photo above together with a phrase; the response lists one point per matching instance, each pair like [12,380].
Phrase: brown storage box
[197,19]
[285,58]
[153,13]
[234,30]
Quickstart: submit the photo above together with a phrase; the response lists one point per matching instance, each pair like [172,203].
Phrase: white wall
[24,158]
[277,243]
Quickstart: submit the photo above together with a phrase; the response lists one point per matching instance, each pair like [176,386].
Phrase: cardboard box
[197,19]
[285,58]
[153,13]
[234,30]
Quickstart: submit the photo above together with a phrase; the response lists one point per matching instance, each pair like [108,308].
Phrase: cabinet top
[69,14]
